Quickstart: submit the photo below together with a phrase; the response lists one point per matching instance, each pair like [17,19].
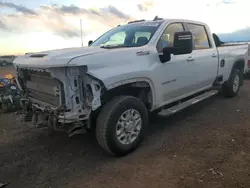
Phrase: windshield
[131,35]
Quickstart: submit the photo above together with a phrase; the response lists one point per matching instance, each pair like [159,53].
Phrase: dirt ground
[207,145]
[7,70]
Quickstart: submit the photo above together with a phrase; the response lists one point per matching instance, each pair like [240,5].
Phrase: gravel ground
[206,145]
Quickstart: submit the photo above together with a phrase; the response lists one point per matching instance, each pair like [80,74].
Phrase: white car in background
[7,59]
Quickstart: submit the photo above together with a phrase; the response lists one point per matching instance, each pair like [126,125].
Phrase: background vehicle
[159,66]
[247,70]
[10,94]
[6,60]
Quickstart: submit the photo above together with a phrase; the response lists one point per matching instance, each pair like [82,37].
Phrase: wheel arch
[239,64]
[140,86]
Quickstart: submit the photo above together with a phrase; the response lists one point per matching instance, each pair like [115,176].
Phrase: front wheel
[121,125]
[232,87]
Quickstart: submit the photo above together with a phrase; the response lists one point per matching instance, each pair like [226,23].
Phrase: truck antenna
[81,31]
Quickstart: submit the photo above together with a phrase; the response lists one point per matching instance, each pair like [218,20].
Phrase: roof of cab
[161,20]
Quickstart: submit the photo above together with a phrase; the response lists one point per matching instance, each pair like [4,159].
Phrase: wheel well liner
[140,89]
[239,64]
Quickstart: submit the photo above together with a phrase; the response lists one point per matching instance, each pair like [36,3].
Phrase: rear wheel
[121,125]
[232,87]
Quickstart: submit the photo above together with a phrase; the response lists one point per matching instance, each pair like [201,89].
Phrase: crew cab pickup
[158,66]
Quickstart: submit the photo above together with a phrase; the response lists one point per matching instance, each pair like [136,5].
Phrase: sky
[36,25]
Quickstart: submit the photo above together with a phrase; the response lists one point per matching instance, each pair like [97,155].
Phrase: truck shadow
[247,76]
[159,123]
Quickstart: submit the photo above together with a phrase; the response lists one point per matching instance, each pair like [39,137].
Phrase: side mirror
[183,44]
[90,42]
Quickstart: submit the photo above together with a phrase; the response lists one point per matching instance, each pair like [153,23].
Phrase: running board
[180,106]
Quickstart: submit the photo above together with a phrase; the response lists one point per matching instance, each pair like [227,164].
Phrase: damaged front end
[61,98]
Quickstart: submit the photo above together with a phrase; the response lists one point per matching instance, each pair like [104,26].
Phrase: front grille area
[43,87]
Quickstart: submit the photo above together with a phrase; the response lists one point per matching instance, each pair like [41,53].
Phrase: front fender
[114,81]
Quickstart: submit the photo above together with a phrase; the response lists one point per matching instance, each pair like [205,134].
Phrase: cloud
[70,9]
[108,13]
[228,2]
[113,10]
[57,24]
[42,22]
[61,20]
[18,8]
[221,2]
[146,6]
[2,25]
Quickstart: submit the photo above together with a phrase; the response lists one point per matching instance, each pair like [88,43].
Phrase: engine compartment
[60,96]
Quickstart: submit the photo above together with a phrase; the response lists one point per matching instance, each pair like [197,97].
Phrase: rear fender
[238,64]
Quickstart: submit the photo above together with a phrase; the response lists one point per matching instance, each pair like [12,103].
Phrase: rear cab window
[200,36]
[140,34]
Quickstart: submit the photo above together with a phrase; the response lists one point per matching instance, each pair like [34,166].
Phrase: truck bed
[234,44]
[230,51]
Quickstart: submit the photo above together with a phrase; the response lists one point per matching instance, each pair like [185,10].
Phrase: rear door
[204,58]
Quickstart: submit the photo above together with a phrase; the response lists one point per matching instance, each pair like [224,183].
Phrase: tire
[106,126]
[4,64]
[232,87]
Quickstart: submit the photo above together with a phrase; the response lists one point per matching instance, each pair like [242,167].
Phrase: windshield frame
[154,24]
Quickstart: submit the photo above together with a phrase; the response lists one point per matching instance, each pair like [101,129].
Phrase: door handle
[190,59]
[214,55]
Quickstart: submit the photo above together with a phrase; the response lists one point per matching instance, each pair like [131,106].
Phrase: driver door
[175,76]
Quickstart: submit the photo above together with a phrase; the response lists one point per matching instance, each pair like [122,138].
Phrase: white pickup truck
[158,66]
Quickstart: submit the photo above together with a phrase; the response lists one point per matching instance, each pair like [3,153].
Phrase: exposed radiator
[42,87]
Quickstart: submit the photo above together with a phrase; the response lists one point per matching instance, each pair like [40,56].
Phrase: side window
[200,36]
[167,38]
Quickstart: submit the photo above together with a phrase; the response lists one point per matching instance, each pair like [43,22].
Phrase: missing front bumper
[71,96]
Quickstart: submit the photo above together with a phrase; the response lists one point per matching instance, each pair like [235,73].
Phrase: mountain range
[236,36]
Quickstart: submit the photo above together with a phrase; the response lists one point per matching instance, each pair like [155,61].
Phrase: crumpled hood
[55,58]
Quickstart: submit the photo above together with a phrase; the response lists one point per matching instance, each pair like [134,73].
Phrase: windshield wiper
[115,46]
